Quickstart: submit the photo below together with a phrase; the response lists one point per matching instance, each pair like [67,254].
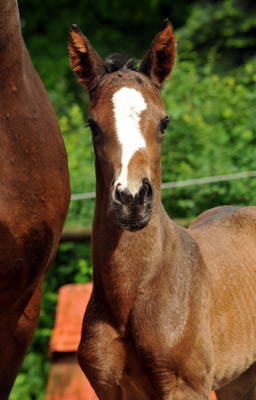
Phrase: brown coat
[34,195]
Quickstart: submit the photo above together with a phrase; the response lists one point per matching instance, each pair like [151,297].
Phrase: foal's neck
[125,262]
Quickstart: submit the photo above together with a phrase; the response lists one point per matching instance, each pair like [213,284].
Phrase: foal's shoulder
[226,216]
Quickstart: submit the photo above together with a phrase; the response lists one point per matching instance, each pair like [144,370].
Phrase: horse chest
[141,368]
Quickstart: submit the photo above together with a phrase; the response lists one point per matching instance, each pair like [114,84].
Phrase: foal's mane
[120,62]
[123,64]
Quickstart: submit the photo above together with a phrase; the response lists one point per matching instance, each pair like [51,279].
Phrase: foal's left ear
[159,60]
[85,61]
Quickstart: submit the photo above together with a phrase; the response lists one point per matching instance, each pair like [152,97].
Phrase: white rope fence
[83,196]
[189,182]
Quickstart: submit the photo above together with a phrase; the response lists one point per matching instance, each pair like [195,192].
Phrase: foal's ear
[159,60]
[85,61]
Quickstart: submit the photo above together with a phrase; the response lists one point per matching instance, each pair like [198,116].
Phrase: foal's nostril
[150,191]
[122,196]
[146,192]
[118,197]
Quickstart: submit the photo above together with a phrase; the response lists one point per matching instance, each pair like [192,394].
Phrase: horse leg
[191,396]
[252,393]
[16,333]
[100,357]
[108,359]
[241,388]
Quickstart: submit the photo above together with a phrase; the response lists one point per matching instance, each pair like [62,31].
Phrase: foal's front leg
[109,360]
[101,354]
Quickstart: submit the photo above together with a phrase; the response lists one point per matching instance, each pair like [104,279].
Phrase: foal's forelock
[128,105]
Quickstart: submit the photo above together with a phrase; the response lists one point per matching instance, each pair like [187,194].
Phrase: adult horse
[173,311]
[34,196]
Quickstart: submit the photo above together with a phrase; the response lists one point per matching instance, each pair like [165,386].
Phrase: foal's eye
[94,128]
[164,123]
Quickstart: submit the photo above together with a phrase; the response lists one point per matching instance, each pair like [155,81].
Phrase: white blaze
[128,106]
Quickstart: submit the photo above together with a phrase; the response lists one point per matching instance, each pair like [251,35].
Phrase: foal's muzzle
[133,212]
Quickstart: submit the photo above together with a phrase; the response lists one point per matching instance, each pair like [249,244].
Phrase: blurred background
[210,99]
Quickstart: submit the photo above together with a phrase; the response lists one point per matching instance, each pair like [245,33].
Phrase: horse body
[172,313]
[34,195]
[226,237]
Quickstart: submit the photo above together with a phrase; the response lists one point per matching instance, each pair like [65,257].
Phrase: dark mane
[117,62]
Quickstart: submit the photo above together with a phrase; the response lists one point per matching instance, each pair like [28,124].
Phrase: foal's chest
[134,381]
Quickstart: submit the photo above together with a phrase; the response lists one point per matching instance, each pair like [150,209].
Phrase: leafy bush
[213,134]
[72,119]
[221,31]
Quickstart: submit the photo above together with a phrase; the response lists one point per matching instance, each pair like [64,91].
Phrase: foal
[172,314]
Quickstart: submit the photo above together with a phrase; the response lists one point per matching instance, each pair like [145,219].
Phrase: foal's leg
[101,357]
[242,388]
[252,394]
[190,396]
[185,394]
[104,355]
[16,333]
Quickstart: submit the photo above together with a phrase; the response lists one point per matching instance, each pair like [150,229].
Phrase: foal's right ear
[85,61]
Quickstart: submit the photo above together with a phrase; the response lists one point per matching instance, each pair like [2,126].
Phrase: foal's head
[128,119]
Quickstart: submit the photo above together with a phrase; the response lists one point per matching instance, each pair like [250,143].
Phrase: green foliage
[30,383]
[80,152]
[220,31]
[213,134]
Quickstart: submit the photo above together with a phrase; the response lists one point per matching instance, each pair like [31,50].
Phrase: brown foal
[173,311]
[34,196]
